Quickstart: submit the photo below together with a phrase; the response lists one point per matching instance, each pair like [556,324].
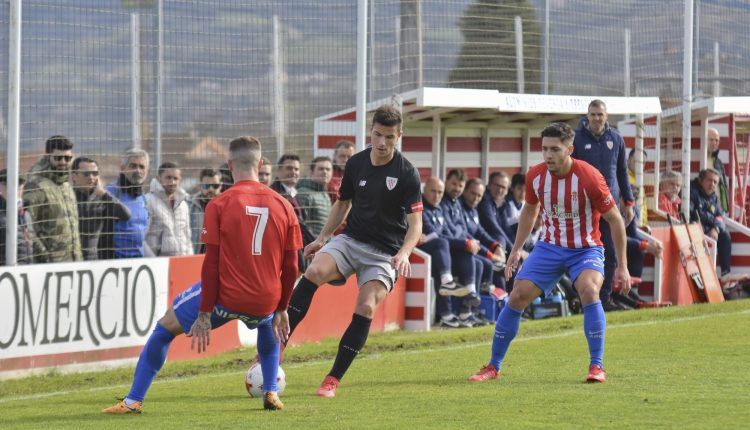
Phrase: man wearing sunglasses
[209,187]
[95,205]
[50,200]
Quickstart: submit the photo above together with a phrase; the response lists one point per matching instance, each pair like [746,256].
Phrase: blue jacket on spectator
[607,153]
[493,220]
[471,217]
[706,209]
[129,238]
[455,224]
[434,225]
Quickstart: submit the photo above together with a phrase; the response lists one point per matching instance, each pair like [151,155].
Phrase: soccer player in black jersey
[380,193]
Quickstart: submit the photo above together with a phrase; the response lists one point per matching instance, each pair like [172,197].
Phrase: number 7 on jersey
[260,226]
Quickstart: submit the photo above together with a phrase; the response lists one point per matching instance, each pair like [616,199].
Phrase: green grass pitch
[683,367]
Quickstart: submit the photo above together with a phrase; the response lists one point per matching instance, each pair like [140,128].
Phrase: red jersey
[571,204]
[252,225]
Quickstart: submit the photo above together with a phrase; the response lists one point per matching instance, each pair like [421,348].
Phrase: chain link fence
[182,79]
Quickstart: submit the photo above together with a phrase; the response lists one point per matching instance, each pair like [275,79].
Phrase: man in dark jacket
[705,207]
[25,249]
[286,185]
[95,205]
[442,250]
[455,228]
[603,147]
[492,209]
[492,253]
[714,161]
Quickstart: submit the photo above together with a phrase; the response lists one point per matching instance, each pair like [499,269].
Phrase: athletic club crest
[574,198]
[390,182]
[610,144]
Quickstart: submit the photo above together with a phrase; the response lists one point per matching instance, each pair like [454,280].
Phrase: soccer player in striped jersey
[572,196]
[252,237]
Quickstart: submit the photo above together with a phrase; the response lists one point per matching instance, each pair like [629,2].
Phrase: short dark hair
[706,171]
[207,171]
[317,160]
[473,181]
[387,115]
[460,174]
[343,144]
[559,130]
[598,103]
[517,179]
[77,162]
[4,177]
[59,143]
[494,175]
[166,166]
[283,158]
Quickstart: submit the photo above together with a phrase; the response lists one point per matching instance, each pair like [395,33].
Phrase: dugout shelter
[480,131]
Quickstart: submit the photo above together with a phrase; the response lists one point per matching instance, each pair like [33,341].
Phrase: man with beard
[210,187]
[52,204]
[95,205]
[128,238]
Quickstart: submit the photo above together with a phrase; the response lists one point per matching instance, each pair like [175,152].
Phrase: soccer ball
[254,380]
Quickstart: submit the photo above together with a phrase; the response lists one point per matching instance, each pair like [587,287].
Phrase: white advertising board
[69,313]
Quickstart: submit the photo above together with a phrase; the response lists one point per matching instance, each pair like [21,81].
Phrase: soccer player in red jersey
[573,196]
[252,237]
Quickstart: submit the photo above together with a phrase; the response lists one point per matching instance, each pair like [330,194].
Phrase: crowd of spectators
[65,212]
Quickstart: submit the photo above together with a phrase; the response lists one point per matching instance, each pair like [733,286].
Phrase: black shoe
[481,319]
[611,306]
[466,320]
[453,289]
[450,321]
[472,300]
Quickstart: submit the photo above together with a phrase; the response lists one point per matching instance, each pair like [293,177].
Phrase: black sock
[300,302]
[352,341]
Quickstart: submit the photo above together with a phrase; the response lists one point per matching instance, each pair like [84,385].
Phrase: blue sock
[506,329]
[594,325]
[150,362]
[268,353]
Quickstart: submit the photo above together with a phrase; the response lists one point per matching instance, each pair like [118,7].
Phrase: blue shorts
[187,303]
[548,263]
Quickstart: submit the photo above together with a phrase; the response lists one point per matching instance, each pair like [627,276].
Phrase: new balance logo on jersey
[362,183]
[390,182]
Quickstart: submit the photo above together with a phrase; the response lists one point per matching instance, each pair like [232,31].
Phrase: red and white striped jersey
[571,204]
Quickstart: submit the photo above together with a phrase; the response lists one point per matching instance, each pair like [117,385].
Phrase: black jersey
[381,197]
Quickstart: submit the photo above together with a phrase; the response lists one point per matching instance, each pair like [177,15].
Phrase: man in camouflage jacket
[50,200]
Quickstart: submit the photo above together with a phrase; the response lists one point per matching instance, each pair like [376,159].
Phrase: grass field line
[373,356]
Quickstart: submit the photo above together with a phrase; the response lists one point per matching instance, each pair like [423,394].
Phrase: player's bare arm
[201,331]
[526,220]
[281,326]
[617,226]
[338,213]
[400,261]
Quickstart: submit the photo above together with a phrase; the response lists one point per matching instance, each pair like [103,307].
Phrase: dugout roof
[479,131]
[493,108]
